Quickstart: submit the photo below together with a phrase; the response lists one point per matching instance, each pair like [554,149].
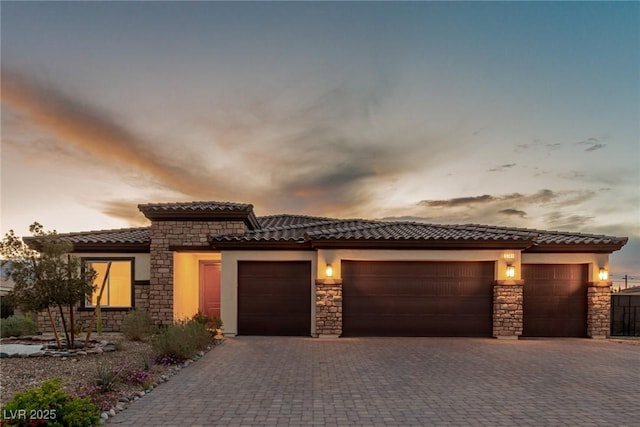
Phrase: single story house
[326,277]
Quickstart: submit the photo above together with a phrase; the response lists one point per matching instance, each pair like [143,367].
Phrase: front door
[210,288]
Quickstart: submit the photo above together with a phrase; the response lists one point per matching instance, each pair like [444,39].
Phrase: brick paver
[282,381]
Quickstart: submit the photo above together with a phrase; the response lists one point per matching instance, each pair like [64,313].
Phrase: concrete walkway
[269,381]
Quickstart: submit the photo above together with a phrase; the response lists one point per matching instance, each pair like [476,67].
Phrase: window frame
[132,260]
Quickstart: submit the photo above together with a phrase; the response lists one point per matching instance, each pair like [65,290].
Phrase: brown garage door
[409,298]
[274,298]
[554,300]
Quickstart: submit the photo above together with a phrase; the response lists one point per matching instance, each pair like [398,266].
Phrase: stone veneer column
[329,308]
[165,237]
[598,309]
[507,309]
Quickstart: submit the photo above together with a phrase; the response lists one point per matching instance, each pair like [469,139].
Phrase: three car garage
[411,298]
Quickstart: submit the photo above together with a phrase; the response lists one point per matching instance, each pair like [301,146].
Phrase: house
[314,276]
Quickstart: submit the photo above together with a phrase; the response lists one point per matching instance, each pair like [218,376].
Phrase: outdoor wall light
[511,271]
[603,274]
[329,271]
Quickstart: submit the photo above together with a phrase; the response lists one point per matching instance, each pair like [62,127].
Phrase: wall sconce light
[329,271]
[603,275]
[511,271]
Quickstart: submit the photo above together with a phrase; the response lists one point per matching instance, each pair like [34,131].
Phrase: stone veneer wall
[111,317]
[598,310]
[329,307]
[507,310]
[183,234]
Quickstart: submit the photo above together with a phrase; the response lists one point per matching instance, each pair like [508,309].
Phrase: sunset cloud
[513,212]
[94,132]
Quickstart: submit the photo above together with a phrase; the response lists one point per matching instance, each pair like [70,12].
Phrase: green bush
[17,326]
[49,405]
[137,325]
[180,341]
[212,323]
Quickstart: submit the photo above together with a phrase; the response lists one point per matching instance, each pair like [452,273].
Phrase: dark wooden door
[209,303]
[274,298]
[554,300]
[409,298]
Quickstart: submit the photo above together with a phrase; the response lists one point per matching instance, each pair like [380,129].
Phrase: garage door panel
[274,298]
[433,325]
[555,300]
[417,298]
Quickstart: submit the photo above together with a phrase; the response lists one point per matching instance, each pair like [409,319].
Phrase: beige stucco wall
[229,281]
[142,266]
[336,256]
[186,281]
[595,261]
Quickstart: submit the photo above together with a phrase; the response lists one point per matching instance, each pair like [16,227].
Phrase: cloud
[595,147]
[79,126]
[513,212]
[537,144]
[557,220]
[591,144]
[502,168]
[458,201]
[323,154]
[125,210]
[542,196]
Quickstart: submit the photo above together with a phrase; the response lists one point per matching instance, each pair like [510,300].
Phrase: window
[116,275]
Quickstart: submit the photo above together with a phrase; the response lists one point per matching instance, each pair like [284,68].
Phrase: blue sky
[512,113]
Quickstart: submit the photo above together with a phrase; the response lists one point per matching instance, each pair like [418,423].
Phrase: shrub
[103,401]
[106,377]
[180,341]
[17,326]
[211,323]
[52,405]
[6,308]
[138,377]
[137,325]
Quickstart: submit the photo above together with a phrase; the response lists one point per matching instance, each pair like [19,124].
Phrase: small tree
[47,275]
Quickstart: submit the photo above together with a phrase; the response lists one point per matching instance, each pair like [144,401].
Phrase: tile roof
[204,211]
[286,228]
[122,236]
[195,207]
[277,229]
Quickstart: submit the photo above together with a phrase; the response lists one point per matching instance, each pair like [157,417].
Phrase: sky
[523,114]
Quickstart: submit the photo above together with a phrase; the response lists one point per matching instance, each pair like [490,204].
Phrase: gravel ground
[78,372]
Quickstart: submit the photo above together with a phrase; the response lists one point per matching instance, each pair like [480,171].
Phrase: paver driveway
[400,381]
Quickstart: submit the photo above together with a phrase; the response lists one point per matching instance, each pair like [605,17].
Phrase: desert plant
[49,405]
[137,376]
[137,325]
[181,341]
[211,322]
[106,377]
[17,326]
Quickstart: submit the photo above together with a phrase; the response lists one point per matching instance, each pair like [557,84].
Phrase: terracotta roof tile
[300,228]
[123,235]
[195,206]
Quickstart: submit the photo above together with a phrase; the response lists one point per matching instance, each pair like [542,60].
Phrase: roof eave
[111,247]
[262,244]
[576,248]
[246,216]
